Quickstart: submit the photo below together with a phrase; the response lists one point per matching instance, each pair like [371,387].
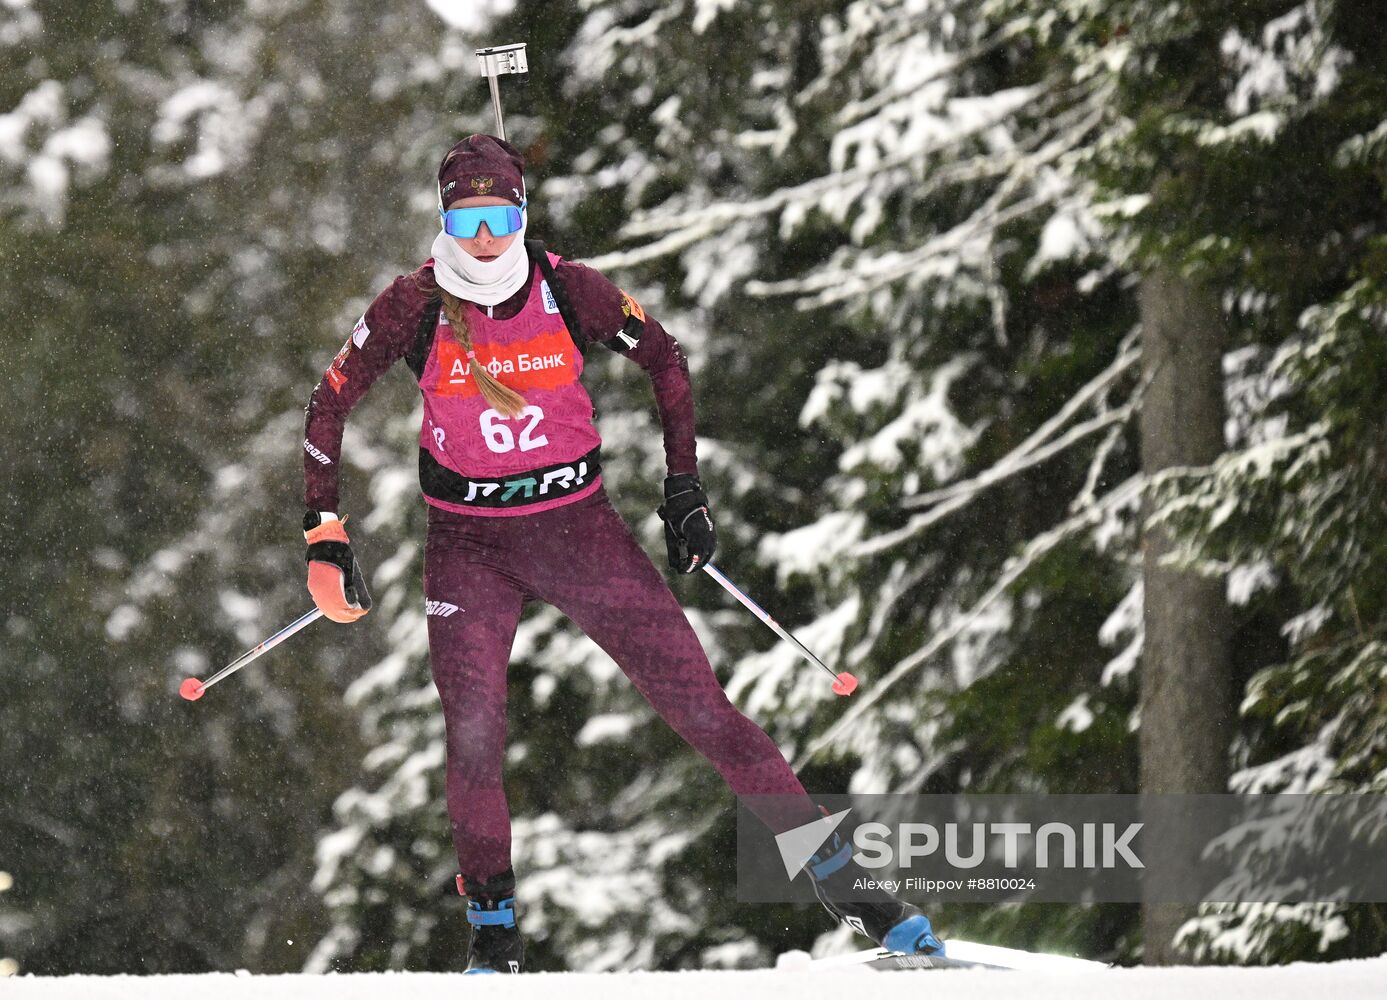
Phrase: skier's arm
[381,337]
[611,317]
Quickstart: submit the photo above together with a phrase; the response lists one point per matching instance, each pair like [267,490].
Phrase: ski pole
[843,683]
[501,60]
[192,689]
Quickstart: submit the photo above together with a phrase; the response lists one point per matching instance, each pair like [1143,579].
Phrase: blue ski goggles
[501,220]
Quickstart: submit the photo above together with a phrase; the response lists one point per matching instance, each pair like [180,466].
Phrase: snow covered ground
[1355,980]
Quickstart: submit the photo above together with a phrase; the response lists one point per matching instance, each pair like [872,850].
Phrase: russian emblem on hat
[484,165]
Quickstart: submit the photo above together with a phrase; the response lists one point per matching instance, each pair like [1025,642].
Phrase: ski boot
[892,923]
[495,944]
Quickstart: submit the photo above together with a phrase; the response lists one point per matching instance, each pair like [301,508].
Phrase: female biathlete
[494,331]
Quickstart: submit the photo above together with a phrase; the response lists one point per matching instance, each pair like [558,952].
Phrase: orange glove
[334,576]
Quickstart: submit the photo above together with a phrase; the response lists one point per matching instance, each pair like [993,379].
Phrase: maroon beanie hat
[482,165]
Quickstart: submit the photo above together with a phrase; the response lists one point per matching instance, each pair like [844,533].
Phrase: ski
[959,955]
[894,961]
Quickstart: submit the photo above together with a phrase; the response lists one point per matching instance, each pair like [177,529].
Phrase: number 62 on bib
[499,437]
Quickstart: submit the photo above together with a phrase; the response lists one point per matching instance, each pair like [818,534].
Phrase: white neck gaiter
[485,282]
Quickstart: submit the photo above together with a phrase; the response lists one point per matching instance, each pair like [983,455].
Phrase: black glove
[689,534]
[334,577]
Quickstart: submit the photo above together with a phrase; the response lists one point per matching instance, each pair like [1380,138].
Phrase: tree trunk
[1186,721]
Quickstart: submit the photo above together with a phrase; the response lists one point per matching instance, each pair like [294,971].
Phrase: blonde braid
[502,398]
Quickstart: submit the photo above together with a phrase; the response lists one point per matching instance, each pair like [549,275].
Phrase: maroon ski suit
[556,537]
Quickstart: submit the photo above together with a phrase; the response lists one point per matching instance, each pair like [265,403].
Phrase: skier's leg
[473,608]
[596,572]
[606,583]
